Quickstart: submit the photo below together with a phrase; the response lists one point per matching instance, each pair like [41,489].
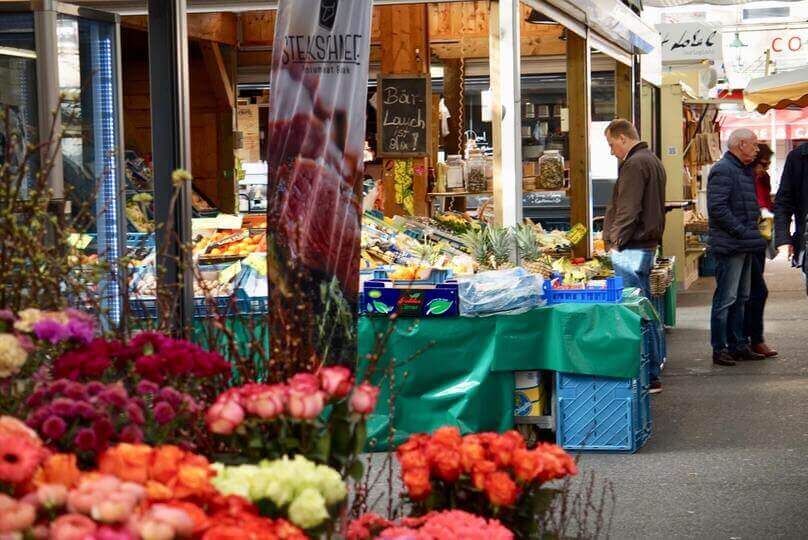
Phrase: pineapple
[532,259]
[499,239]
[477,242]
[427,253]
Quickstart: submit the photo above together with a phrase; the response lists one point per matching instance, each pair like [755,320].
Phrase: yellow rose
[28,318]
[12,355]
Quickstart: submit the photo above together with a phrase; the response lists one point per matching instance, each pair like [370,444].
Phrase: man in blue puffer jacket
[734,236]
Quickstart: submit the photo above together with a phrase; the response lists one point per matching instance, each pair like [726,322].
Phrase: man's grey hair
[739,135]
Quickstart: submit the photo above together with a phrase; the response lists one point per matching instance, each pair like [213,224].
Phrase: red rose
[448,436]
[336,381]
[527,464]
[414,459]
[470,453]
[500,489]
[305,405]
[502,449]
[304,382]
[447,465]
[480,472]
[264,401]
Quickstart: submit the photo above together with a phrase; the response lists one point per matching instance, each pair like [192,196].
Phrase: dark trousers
[753,317]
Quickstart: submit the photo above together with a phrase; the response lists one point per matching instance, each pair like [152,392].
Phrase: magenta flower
[147,387]
[135,413]
[85,439]
[164,413]
[53,428]
[131,434]
[50,330]
[80,331]
[63,407]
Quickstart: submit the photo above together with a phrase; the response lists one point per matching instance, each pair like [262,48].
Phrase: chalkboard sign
[404,107]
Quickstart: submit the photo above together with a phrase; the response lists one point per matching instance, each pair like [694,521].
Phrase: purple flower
[7,315]
[164,413]
[135,413]
[85,439]
[191,405]
[63,407]
[103,428]
[50,330]
[75,391]
[171,395]
[147,387]
[86,411]
[58,386]
[94,388]
[114,395]
[79,330]
[37,397]
[53,428]
[131,434]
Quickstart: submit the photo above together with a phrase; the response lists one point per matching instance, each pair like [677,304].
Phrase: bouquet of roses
[307,493]
[433,526]
[88,418]
[487,474]
[321,416]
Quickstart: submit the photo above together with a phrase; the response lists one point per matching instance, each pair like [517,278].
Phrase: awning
[779,91]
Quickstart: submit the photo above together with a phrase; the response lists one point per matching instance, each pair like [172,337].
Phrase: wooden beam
[624,91]
[218,74]
[405,51]
[257,28]
[218,27]
[578,100]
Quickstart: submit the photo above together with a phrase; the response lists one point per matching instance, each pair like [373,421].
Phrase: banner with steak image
[316,139]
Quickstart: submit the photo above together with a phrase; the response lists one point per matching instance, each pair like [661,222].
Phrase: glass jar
[455,174]
[440,177]
[475,173]
[551,170]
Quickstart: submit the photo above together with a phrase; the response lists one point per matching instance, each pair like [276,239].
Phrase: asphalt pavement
[728,458]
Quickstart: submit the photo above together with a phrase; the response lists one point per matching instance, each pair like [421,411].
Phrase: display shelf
[543,422]
[483,193]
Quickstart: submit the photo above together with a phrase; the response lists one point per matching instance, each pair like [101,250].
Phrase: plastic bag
[500,291]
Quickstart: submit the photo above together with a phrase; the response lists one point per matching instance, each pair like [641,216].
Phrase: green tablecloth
[458,371]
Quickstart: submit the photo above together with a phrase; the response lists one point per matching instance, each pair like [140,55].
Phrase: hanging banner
[315,152]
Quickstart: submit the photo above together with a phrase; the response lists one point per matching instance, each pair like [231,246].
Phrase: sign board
[691,42]
[404,107]
[248,125]
[788,49]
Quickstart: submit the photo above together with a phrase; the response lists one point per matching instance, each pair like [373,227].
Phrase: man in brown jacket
[635,219]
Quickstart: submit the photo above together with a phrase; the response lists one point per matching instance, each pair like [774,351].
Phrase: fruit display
[207,282]
[230,244]
[579,272]
[532,258]
[453,222]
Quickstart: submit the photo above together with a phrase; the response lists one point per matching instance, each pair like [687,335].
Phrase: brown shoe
[747,354]
[765,350]
[723,358]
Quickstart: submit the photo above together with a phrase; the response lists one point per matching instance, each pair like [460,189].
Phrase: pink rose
[52,495]
[178,519]
[305,405]
[304,382]
[15,516]
[364,397]
[336,380]
[264,401]
[116,507]
[224,417]
[152,529]
[72,527]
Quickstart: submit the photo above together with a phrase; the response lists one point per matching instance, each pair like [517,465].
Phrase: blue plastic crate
[436,276]
[612,293]
[602,414]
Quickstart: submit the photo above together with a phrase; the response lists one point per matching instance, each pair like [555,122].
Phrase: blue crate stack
[603,413]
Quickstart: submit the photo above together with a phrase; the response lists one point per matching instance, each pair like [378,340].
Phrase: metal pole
[168,84]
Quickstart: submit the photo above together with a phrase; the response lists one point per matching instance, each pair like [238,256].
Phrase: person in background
[758,292]
[790,203]
[635,219]
[734,237]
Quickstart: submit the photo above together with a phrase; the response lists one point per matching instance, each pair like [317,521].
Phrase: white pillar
[506,110]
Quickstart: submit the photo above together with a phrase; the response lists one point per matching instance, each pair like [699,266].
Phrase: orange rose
[413,459]
[480,472]
[471,452]
[158,491]
[129,462]
[192,479]
[447,465]
[417,483]
[527,465]
[415,442]
[566,462]
[500,489]
[502,449]
[197,515]
[448,436]
[165,463]
[516,437]
[58,469]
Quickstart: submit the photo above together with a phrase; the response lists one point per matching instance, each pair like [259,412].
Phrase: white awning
[779,91]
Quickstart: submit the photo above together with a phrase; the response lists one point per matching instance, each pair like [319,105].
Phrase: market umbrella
[779,91]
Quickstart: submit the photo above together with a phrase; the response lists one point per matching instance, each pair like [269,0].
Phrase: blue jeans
[634,266]
[733,281]
[758,292]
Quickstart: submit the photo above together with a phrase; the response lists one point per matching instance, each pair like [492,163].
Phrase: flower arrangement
[88,418]
[321,416]
[435,525]
[307,493]
[487,473]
